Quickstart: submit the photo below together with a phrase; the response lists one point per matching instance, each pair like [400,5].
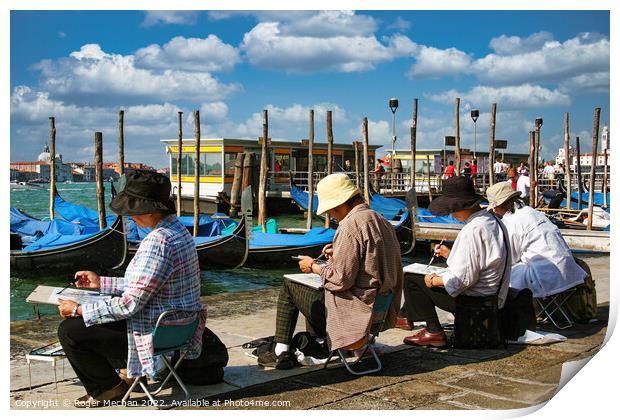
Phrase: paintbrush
[65,288]
[434,255]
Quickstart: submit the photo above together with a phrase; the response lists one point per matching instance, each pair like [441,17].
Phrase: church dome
[45,155]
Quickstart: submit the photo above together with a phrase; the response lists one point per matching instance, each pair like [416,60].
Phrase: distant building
[41,168]
[586,158]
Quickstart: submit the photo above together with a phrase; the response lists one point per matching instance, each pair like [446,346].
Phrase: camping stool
[552,309]
[380,310]
[168,338]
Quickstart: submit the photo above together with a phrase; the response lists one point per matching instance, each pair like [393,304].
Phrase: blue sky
[83,66]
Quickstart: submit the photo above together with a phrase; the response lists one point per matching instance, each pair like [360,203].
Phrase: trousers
[420,301]
[293,299]
[92,352]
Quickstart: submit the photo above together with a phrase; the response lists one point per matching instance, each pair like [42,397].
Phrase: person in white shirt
[542,261]
[523,185]
[478,259]
[500,170]
[549,171]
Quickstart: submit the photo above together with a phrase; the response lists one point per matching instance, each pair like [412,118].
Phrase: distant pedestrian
[499,170]
[450,170]
[379,171]
[467,170]
[347,166]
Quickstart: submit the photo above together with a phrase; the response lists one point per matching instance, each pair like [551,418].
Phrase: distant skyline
[232,65]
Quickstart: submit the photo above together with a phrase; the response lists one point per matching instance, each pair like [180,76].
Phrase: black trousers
[420,301]
[92,352]
[295,298]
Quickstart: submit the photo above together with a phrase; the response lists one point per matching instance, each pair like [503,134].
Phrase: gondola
[55,254]
[214,250]
[276,249]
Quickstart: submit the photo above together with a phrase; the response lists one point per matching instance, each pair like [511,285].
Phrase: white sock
[280,348]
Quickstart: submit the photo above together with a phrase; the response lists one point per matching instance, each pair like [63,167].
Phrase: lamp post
[474,116]
[393,104]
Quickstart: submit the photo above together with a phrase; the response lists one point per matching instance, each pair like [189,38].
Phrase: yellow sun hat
[334,190]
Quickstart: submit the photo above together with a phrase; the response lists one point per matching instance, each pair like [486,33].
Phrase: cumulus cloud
[214,111]
[534,59]
[510,45]
[554,61]
[400,24]
[266,46]
[511,97]
[96,75]
[317,24]
[434,62]
[168,17]
[208,54]
[586,83]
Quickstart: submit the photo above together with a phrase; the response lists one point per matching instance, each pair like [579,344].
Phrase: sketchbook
[417,268]
[311,280]
[50,295]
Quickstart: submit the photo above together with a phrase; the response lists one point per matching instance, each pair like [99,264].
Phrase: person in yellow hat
[363,261]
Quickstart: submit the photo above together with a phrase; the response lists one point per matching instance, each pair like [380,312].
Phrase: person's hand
[87,280]
[328,251]
[442,251]
[65,308]
[428,280]
[305,263]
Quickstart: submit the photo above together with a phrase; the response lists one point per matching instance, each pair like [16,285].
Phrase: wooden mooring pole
[457,137]
[567,161]
[197,172]
[235,190]
[310,171]
[428,167]
[356,148]
[264,169]
[330,158]
[531,164]
[605,175]
[52,165]
[99,178]
[414,126]
[179,160]
[121,142]
[597,116]
[365,151]
[579,183]
[492,146]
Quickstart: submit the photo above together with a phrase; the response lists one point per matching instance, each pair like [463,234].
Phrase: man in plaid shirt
[163,275]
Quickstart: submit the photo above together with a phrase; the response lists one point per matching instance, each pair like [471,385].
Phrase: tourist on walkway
[450,170]
[475,264]
[512,178]
[541,259]
[500,170]
[523,185]
[467,170]
[163,275]
[363,262]
[379,171]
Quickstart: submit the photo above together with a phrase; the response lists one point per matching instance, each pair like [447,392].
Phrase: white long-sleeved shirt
[478,258]
[542,261]
[523,185]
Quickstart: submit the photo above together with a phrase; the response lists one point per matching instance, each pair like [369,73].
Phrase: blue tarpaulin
[54,240]
[32,230]
[424,215]
[316,236]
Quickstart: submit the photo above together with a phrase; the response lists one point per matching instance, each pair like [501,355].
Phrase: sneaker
[285,360]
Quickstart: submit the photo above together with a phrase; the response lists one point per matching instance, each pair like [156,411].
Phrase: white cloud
[510,45]
[535,59]
[433,62]
[586,83]
[213,111]
[208,54]
[400,24]
[266,46]
[510,97]
[553,62]
[316,24]
[98,75]
[167,17]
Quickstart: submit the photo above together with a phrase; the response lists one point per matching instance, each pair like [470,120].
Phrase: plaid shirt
[163,275]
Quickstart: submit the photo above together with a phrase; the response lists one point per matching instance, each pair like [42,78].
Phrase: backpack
[207,369]
[581,305]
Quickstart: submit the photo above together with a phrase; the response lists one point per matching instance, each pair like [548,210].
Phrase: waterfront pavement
[412,378]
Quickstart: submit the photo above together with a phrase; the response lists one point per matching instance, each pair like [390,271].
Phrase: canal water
[35,202]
